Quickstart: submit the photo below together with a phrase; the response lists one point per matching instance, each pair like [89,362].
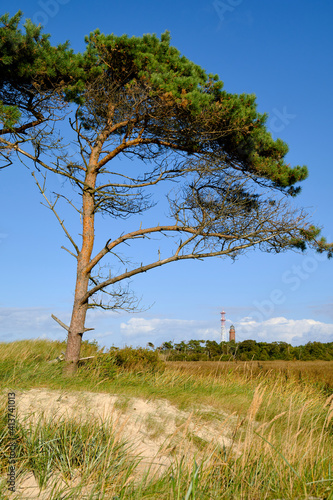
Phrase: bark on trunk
[75,333]
[80,307]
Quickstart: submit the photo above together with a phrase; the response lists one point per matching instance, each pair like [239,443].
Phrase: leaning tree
[230,187]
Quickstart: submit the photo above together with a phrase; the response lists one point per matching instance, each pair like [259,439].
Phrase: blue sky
[279,50]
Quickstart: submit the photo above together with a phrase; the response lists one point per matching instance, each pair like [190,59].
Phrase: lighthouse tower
[232,334]
[223,332]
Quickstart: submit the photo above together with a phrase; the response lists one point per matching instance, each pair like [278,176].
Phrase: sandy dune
[152,427]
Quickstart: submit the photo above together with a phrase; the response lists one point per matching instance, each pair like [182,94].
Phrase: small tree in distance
[140,99]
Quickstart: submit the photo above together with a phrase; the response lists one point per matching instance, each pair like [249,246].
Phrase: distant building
[232,334]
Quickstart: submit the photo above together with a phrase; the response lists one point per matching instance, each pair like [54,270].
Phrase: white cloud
[96,314]
[159,330]
[36,322]
[208,333]
[29,322]
[23,323]
[293,331]
[141,325]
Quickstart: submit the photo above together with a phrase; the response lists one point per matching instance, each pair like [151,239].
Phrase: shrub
[139,359]
[127,359]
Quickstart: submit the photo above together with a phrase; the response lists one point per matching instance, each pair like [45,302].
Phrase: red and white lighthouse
[223,333]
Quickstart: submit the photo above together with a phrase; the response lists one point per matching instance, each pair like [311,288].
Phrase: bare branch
[141,233]
[158,263]
[64,248]
[52,207]
[67,327]
[60,322]
[22,128]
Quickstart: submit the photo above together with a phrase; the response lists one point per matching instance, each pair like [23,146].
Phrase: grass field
[319,373]
[277,418]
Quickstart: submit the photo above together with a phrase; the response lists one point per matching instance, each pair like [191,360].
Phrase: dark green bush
[127,359]
[139,359]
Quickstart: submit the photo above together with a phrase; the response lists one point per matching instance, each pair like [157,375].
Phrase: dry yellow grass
[274,420]
[318,372]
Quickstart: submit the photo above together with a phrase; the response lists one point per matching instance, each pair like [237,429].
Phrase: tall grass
[286,457]
[68,456]
[280,429]
[319,373]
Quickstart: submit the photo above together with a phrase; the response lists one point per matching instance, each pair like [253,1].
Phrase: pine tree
[141,99]
[36,82]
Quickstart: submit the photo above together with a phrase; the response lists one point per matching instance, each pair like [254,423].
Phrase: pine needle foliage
[140,99]
[30,67]
[208,119]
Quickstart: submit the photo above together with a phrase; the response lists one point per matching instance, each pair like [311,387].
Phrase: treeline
[209,350]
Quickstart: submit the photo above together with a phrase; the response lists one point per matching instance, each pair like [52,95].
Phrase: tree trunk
[80,308]
[75,331]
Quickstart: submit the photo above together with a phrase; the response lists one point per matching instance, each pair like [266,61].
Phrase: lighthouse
[232,334]
[223,335]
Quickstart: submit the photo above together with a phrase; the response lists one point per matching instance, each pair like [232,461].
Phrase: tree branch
[42,190]
[141,233]
[22,128]
[67,327]
[173,258]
